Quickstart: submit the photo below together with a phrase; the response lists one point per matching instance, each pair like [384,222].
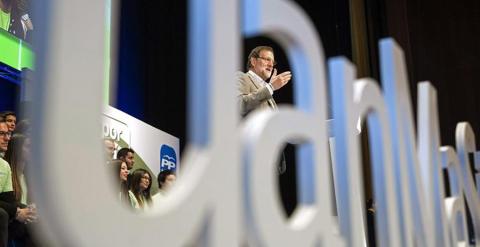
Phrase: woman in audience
[120,171]
[165,179]
[18,155]
[139,191]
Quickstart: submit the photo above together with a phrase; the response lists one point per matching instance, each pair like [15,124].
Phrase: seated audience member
[165,179]
[10,119]
[11,213]
[15,18]
[126,155]
[18,156]
[139,189]
[120,171]
[109,145]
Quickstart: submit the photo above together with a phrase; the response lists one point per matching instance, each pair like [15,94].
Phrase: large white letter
[454,205]
[351,101]
[429,157]
[347,166]
[465,141]
[78,206]
[409,187]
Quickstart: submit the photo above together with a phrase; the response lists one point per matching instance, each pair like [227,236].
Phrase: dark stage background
[440,40]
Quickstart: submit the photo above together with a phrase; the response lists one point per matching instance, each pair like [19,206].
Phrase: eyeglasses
[268,60]
[5,134]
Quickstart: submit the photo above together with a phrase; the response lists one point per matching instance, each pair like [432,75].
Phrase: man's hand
[278,81]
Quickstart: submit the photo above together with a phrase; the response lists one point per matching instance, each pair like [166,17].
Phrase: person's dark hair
[5,114]
[23,127]
[256,53]
[162,176]
[122,153]
[14,156]
[134,186]
[116,166]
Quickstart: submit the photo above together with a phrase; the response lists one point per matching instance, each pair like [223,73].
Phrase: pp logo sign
[168,158]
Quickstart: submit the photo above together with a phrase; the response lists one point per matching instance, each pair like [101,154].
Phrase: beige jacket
[251,95]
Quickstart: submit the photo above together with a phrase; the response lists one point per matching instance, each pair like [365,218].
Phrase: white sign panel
[158,149]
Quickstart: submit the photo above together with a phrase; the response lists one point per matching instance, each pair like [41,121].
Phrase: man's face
[129,160]
[263,64]
[4,137]
[11,122]
[109,148]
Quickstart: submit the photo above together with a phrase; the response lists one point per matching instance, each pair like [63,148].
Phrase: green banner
[15,52]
